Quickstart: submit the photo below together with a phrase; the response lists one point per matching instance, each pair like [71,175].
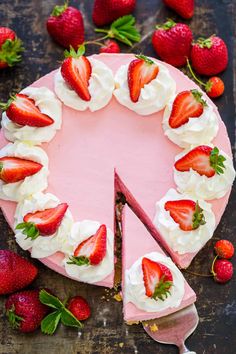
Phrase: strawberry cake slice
[152,285]
[104,134]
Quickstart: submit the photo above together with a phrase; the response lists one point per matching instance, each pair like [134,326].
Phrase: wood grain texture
[105,331]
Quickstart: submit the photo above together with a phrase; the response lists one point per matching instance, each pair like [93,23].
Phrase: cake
[99,145]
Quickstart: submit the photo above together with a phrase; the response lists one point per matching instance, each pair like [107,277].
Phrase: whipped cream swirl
[135,289]
[42,246]
[31,184]
[89,273]
[179,240]
[101,86]
[204,187]
[48,104]
[201,130]
[154,96]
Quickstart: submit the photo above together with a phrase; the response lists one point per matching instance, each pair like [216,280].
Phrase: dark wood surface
[105,332]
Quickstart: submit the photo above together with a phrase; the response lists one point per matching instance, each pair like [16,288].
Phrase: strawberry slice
[22,110]
[187,104]
[202,159]
[141,72]
[157,279]
[91,251]
[43,223]
[14,169]
[76,70]
[186,213]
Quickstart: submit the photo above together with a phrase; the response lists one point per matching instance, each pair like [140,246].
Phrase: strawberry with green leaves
[187,213]
[92,250]
[43,223]
[22,110]
[25,311]
[76,70]
[15,169]
[205,160]
[157,279]
[187,104]
[10,48]
[141,72]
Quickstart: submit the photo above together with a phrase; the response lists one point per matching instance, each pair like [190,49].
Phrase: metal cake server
[174,328]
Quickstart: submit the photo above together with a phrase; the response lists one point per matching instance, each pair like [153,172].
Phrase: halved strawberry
[157,279]
[187,104]
[14,169]
[202,159]
[92,250]
[43,223]
[76,70]
[141,72]
[22,110]
[186,213]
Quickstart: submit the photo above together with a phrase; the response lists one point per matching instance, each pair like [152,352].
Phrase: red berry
[10,48]
[79,308]
[215,87]
[172,42]
[184,8]
[223,270]
[110,46]
[224,249]
[209,56]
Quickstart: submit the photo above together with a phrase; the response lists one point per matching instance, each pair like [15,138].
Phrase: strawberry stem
[94,42]
[194,75]
[197,274]
[212,266]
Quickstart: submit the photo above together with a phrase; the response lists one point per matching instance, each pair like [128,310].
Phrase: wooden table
[105,332]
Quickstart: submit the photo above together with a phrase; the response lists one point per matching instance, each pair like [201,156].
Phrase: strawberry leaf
[123,29]
[198,217]
[79,261]
[162,290]
[50,322]
[198,97]
[68,319]
[29,229]
[10,51]
[73,53]
[50,300]
[217,161]
[58,10]
[14,320]
[146,59]
[5,106]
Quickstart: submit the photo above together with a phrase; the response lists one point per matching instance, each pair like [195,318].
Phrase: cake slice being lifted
[152,285]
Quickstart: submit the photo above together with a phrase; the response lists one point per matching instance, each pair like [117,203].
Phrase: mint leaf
[50,322]
[68,319]
[50,300]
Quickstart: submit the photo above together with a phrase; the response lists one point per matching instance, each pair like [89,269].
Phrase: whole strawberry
[215,87]
[79,307]
[110,46]
[10,48]
[184,8]
[15,272]
[209,56]
[222,270]
[66,26]
[106,11]
[24,310]
[224,249]
[172,42]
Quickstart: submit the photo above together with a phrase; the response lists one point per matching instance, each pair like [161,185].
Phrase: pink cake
[114,149]
[135,233]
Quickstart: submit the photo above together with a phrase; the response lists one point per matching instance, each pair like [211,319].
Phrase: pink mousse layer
[85,152]
[135,234]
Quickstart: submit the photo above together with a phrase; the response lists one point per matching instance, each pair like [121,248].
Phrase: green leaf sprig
[50,323]
[29,229]
[123,29]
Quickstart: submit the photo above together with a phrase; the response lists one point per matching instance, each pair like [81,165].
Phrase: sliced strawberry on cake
[14,169]
[187,104]
[152,285]
[187,213]
[44,222]
[92,250]
[189,120]
[204,172]
[22,110]
[141,72]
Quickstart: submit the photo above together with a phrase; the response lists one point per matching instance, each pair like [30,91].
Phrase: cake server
[174,328]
